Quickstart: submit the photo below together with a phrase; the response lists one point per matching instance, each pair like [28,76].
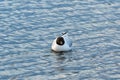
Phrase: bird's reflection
[60,59]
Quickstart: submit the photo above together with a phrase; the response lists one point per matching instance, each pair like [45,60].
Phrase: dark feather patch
[60,41]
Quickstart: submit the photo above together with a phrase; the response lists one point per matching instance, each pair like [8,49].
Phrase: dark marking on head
[60,41]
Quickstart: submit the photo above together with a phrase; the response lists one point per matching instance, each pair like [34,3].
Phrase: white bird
[62,43]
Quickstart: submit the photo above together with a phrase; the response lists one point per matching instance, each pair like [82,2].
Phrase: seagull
[62,43]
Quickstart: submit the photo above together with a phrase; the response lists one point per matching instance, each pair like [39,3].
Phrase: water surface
[28,27]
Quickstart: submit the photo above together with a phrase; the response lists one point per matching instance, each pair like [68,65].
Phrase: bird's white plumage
[67,46]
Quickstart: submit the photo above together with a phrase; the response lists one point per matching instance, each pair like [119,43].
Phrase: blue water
[28,27]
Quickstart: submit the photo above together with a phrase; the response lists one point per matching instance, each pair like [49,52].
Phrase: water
[28,27]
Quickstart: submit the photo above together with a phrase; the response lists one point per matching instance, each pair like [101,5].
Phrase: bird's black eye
[60,41]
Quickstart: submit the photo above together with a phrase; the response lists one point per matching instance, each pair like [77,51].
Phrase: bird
[62,43]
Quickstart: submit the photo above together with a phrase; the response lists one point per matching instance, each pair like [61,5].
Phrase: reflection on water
[27,29]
